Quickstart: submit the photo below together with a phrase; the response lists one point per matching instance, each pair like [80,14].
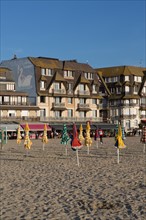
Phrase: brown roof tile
[49,63]
[121,70]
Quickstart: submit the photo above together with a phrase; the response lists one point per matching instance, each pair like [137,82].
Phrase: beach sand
[48,185]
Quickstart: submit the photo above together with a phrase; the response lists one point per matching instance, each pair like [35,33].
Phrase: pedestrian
[101,135]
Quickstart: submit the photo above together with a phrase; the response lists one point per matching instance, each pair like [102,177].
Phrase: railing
[83,105]
[70,119]
[58,91]
[83,92]
[69,91]
[22,118]
[61,104]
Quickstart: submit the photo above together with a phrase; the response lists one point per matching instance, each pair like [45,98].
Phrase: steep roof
[73,65]
[44,62]
[121,70]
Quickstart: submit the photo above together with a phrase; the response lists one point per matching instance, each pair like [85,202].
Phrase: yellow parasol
[119,141]
[45,138]
[81,138]
[27,141]
[18,135]
[88,140]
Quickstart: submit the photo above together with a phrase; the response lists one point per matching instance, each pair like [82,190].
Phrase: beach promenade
[48,185]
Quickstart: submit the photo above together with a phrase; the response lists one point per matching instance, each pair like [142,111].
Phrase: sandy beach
[48,185]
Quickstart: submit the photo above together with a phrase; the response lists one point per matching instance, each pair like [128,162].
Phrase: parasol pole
[118,155]
[88,149]
[144,148]
[66,149]
[97,143]
[77,157]
[43,146]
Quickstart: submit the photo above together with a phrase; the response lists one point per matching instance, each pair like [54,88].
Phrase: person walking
[101,135]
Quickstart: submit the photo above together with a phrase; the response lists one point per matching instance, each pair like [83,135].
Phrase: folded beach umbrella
[81,138]
[75,142]
[88,140]
[18,135]
[45,138]
[143,137]
[65,137]
[119,141]
[27,141]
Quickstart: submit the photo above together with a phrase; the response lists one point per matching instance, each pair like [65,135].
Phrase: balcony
[58,91]
[83,105]
[83,92]
[59,106]
[69,92]
[70,119]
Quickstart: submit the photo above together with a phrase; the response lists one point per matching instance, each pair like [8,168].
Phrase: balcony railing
[83,105]
[58,91]
[83,92]
[69,91]
[58,105]
[70,119]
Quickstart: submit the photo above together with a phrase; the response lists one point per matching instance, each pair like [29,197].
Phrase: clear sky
[102,33]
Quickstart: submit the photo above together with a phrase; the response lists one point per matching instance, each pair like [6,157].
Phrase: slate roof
[121,70]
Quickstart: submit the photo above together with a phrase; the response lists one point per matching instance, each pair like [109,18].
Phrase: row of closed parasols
[78,141]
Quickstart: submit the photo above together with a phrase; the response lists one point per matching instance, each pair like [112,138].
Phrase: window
[126,78]
[56,86]
[94,101]
[118,90]
[137,78]
[69,112]
[94,88]
[81,87]
[57,100]
[86,75]
[57,114]
[82,114]
[94,113]
[82,101]
[43,71]
[42,112]
[127,89]
[112,90]
[42,99]
[69,100]
[42,84]
[135,89]
[68,73]
[10,87]
[50,72]
[23,99]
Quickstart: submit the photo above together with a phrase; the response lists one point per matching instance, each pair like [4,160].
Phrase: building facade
[124,90]
[52,90]
[14,104]
[61,90]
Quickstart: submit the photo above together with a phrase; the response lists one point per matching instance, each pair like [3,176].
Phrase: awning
[10,127]
[36,127]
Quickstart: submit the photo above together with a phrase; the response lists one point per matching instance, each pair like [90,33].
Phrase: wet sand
[48,185]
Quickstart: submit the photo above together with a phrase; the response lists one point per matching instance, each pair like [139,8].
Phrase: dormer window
[126,78]
[42,85]
[94,89]
[43,72]
[88,75]
[68,73]
[50,72]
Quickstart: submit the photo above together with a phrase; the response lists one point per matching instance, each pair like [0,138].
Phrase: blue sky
[102,33]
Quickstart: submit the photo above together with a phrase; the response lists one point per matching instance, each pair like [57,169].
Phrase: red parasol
[75,143]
